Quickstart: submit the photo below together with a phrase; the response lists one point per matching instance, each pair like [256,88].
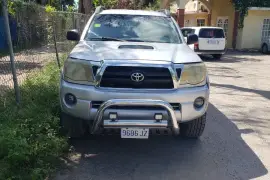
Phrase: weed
[30,143]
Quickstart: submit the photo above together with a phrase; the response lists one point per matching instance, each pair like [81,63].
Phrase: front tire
[72,127]
[194,128]
[265,49]
[217,56]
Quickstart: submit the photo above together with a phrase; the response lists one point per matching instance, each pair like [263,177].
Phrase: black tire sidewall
[217,56]
[194,128]
[265,49]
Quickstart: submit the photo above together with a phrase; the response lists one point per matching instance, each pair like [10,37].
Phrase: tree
[106,3]
[243,5]
[57,4]
[85,6]
[147,2]
[127,4]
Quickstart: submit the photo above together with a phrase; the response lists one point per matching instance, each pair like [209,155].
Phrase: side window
[206,33]
[219,33]
[185,32]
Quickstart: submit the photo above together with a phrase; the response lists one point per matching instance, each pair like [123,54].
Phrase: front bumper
[88,95]
[130,123]
[210,51]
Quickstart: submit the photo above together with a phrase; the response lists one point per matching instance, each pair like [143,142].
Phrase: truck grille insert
[121,77]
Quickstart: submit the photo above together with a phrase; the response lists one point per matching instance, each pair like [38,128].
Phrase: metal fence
[38,38]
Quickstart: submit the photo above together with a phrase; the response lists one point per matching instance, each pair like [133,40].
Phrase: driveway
[235,144]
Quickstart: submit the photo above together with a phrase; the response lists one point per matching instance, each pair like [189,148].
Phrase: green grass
[30,143]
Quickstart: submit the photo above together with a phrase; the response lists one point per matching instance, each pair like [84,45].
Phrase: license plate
[135,133]
[213,42]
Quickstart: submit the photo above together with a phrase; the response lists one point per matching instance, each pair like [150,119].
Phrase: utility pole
[11,53]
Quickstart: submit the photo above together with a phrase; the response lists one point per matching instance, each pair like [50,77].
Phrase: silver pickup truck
[133,73]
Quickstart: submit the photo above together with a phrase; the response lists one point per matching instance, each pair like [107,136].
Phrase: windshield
[133,28]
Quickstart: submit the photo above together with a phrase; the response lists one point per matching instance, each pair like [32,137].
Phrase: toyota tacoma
[132,72]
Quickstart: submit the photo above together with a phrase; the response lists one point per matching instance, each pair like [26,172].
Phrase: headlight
[193,74]
[78,71]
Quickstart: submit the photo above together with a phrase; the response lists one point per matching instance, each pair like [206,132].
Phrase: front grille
[120,77]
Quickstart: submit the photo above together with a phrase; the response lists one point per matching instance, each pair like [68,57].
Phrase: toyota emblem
[137,77]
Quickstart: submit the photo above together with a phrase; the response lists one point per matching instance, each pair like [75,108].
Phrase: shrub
[29,138]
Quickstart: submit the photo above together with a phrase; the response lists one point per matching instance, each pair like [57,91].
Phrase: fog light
[158,117]
[70,99]
[113,116]
[199,102]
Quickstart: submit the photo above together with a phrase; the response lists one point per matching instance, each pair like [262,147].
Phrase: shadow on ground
[265,94]
[232,58]
[223,72]
[220,154]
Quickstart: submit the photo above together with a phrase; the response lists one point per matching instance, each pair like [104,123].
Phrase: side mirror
[73,35]
[192,39]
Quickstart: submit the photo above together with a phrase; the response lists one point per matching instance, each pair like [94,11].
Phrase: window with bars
[200,22]
[223,23]
[220,23]
[225,26]
[187,23]
[266,29]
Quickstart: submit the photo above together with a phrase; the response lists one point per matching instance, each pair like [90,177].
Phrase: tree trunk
[85,6]
[81,9]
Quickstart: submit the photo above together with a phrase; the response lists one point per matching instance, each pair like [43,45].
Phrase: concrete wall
[239,39]
[191,6]
[192,18]
[223,8]
[196,6]
[251,35]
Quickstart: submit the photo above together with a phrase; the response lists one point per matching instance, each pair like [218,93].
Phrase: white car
[212,40]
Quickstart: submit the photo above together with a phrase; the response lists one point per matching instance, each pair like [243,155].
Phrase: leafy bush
[154,6]
[29,138]
[128,4]
[49,9]
[106,3]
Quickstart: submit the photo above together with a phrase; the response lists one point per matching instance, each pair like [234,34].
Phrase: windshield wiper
[105,39]
[134,40]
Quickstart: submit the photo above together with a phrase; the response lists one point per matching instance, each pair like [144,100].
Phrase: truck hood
[117,50]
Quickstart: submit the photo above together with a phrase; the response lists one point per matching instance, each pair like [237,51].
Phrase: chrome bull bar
[134,102]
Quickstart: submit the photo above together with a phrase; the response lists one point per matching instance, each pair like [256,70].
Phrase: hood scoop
[135,47]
